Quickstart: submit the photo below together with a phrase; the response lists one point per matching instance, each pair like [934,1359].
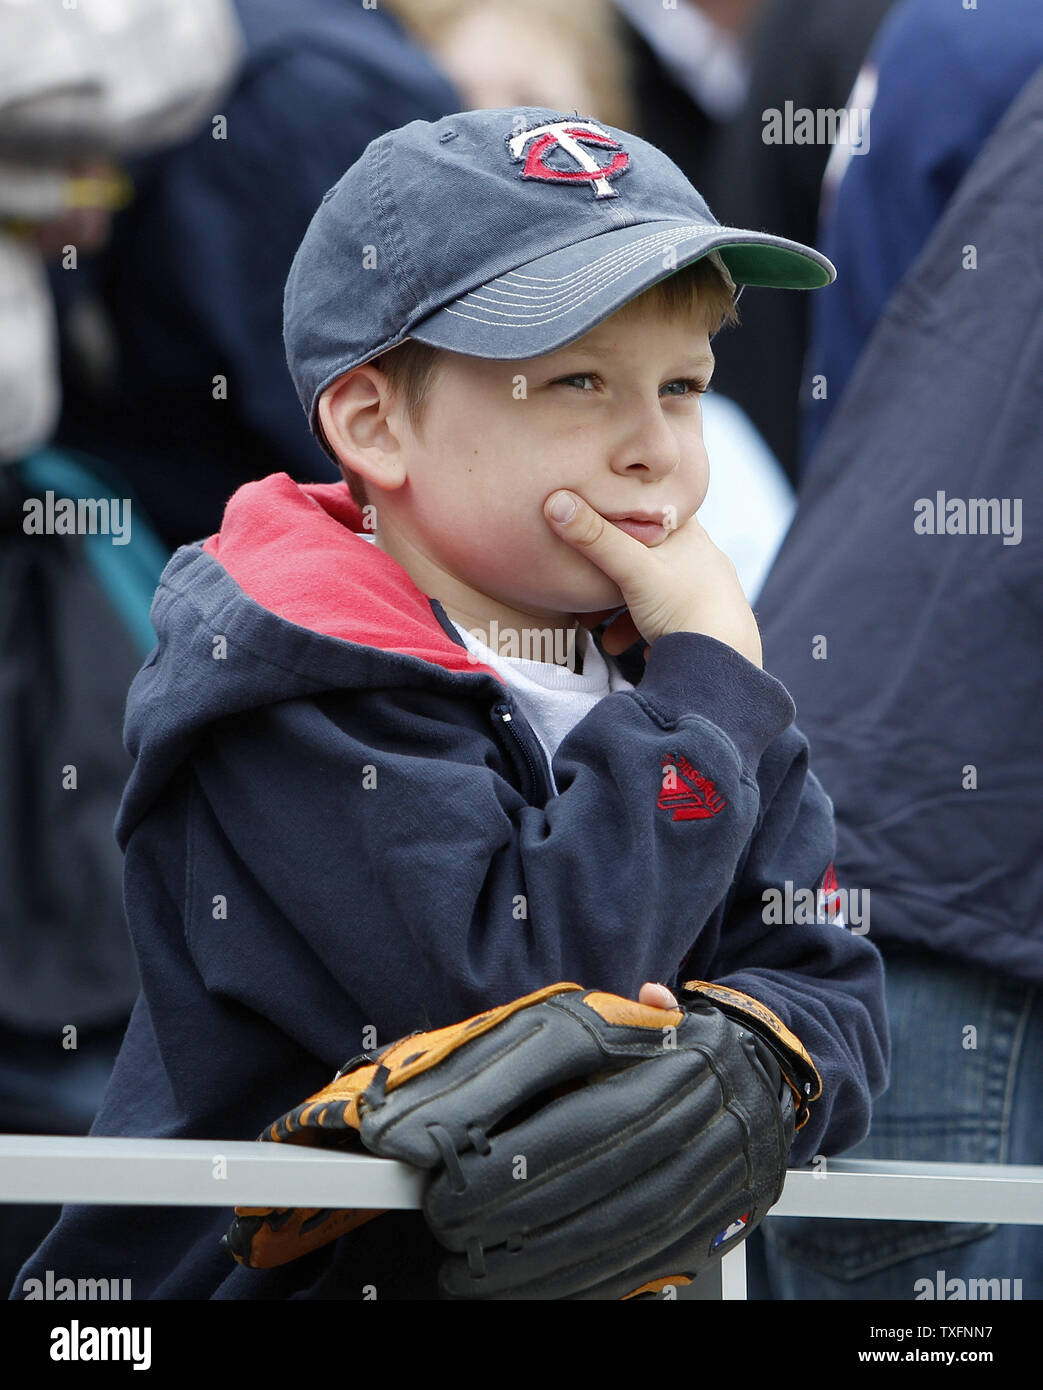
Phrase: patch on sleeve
[829,904]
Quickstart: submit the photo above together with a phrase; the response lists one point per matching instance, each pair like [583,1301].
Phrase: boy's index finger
[612,550]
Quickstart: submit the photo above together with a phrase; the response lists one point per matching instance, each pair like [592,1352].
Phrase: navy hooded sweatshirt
[333,818]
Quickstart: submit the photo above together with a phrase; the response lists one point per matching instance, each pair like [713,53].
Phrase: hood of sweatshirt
[286,600]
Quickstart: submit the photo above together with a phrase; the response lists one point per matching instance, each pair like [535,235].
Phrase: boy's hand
[683,584]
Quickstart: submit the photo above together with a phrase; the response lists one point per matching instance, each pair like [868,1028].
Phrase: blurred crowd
[159,163]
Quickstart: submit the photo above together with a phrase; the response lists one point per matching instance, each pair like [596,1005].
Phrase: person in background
[808,53]
[903,614]
[943,77]
[82,88]
[690,71]
[496,53]
[190,398]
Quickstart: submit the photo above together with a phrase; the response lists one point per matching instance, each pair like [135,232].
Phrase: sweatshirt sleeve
[778,946]
[373,843]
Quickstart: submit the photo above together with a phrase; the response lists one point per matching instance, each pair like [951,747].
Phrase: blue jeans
[966,1069]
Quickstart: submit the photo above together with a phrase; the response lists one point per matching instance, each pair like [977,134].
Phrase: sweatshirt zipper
[508,720]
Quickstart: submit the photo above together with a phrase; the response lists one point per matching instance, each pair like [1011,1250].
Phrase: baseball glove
[582,1146]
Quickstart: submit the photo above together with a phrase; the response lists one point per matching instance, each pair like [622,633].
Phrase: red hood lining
[295,549]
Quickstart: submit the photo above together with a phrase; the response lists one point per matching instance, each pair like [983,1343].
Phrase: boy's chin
[590,602]
[586,598]
[593,608]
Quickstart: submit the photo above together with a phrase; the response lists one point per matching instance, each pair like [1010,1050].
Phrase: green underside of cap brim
[773,266]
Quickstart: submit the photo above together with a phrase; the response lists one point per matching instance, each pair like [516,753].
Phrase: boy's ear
[360,425]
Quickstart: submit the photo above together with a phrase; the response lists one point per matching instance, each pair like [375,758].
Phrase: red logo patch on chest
[686,792]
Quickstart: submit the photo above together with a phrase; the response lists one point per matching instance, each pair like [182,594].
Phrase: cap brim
[557,298]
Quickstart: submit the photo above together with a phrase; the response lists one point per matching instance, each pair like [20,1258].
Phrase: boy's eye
[693,385]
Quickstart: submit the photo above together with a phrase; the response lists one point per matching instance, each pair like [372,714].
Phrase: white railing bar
[215,1173]
[732,1274]
[886,1190]
[199,1173]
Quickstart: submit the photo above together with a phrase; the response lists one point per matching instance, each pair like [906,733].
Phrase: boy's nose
[648,442]
[647,456]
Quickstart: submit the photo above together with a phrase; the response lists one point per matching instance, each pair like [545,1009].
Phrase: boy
[351,817]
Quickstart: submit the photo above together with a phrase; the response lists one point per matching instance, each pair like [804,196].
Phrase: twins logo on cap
[533,144]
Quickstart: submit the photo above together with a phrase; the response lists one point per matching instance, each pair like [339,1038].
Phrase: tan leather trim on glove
[657,1286]
[799,1070]
[629,1014]
[276,1235]
[337,1106]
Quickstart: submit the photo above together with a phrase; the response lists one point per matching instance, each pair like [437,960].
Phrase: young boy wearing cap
[351,817]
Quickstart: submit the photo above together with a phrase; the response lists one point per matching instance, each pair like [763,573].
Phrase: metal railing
[204,1173]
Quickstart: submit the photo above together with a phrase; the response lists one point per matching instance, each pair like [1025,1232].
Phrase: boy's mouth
[641,527]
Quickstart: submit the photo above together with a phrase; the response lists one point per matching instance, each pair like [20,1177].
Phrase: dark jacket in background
[667,116]
[946,76]
[935,641]
[192,279]
[808,52]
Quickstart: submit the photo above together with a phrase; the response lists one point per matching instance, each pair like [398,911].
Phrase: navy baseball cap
[502,234]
